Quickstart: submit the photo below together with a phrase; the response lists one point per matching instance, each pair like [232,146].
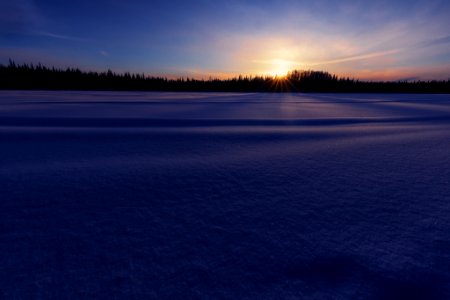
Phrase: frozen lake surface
[228,196]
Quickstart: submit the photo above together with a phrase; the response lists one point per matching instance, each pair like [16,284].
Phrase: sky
[370,40]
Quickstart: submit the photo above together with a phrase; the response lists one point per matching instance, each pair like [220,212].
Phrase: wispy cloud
[60,36]
[19,16]
[355,57]
[276,61]
[427,72]
[434,42]
[24,18]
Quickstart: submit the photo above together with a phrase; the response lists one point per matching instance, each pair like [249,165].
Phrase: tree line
[38,77]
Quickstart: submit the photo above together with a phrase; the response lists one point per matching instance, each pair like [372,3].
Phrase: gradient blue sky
[364,39]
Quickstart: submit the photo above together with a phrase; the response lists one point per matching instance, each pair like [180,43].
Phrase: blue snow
[115,195]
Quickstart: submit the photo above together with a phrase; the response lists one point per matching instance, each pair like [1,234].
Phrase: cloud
[104,53]
[434,42]
[427,72]
[363,56]
[22,17]
[18,16]
[59,36]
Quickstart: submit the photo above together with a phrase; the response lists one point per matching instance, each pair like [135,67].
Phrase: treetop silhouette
[38,77]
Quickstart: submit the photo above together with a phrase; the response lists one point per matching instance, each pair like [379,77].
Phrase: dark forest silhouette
[38,77]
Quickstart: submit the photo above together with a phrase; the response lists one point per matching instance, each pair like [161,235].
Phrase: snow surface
[224,196]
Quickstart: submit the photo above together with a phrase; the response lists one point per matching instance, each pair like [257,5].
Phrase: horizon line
[223,77]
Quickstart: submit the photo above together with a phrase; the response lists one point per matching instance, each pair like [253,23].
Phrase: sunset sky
[373,40]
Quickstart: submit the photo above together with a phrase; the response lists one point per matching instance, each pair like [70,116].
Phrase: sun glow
[280,67]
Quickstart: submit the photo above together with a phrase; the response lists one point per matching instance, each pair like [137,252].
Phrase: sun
[280,67]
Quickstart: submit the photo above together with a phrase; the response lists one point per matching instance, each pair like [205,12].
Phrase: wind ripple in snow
[303,196]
